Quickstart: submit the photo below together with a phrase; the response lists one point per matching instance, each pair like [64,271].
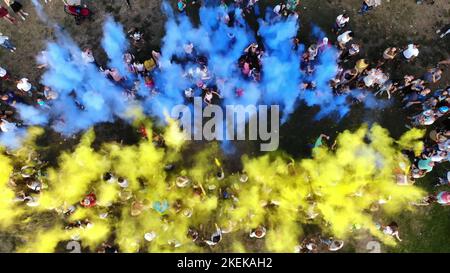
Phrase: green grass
[428,228]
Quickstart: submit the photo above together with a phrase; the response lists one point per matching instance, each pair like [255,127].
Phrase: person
[161,207]
[444,181]
[17,8]
[411,52]
[188,48]
[89,201]
[181,5]
[290,4]
[388,55]
[425,118]
[136,35]
[361,65]
[4,76]
[443,198]
[392,230]
[439,156]
[34,185]
[25,86]
[433,75]
[150,236]
[367,5]
[426,201]
[10,99]
[149,65]
[107,248]
[333,244]
[313,51]
[309,245]
[443,31]
[243,178]
[122,182]
[138,68]
[6,126]
[426,165]
[389,87]
[87,56]
[441,111]
[189,93]
[182,181]
[374,76]
[341,22]
[319,141]
[6,43]
[348,76]
[193,234]
[137,207]
[442,94]
[417,97]
[114,74]
[407,82]
[108,177]
[209,96]
[258,233]
[156,57]
[216,237]
[49,94]
[344,38]
[324,44]
[278,9]
[5,15]
[418,85]
[352,51]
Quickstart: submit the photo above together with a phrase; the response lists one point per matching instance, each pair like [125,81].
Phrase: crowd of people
[429,106]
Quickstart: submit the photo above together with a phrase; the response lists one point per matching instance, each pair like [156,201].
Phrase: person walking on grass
[411,52]
[25,86]
[4,13]
[6,43]
[344,38]
[17,8]
[367,5]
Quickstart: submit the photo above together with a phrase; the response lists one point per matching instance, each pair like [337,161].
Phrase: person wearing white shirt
[123,183]
[3,74]
[411,52]
[6,126]
[341,21]
[25,86]
[277,9]
[344,38]
[87,56]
